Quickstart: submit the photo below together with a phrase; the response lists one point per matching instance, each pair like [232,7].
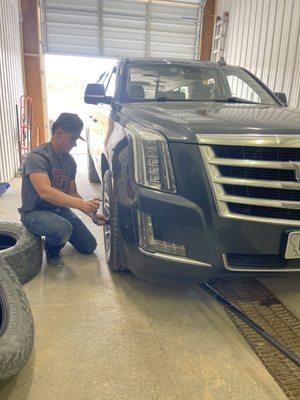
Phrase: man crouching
[49,191]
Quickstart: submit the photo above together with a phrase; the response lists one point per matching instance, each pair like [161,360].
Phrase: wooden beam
[33,62]
[207,30]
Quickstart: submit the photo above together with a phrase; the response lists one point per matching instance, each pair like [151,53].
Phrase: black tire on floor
[16,324]
[110,211]
[21,250]
[93,175]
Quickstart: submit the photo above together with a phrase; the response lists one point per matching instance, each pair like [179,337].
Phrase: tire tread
[26,256]
[16,343]
[114,263]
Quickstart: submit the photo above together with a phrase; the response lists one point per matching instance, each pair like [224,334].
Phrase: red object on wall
[25,126]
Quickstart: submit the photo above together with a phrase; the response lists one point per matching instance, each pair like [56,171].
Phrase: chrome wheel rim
[106,228]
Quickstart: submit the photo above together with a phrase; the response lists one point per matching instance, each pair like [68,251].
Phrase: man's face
[65,140]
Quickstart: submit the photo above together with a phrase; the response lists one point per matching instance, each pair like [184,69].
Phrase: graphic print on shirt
[60,180]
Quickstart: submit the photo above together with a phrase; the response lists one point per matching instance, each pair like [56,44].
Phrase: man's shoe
[55,261]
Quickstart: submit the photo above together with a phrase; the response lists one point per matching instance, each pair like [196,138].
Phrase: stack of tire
[20,261]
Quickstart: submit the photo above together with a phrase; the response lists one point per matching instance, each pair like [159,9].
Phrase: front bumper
[215,246]
[153,267]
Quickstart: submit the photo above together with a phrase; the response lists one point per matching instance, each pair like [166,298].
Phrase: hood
[183,120]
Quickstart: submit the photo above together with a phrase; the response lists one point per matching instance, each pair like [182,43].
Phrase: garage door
[122,28]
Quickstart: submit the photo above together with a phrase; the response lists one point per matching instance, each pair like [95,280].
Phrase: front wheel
[111,231]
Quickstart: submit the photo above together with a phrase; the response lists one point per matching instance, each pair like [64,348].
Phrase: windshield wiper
[165,98]
[235,100]
[229,100]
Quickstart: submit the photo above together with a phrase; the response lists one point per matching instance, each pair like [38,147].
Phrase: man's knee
[89,246]
[62,232]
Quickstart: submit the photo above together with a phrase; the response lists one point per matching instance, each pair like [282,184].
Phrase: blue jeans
[59,226]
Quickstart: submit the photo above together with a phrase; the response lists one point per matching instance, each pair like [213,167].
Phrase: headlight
[152,161]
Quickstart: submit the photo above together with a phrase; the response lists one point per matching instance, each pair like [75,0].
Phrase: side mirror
[95,94]
[282,98]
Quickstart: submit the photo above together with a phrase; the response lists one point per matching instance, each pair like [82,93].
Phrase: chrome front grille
[254,177]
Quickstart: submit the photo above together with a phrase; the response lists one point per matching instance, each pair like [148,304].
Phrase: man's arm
[97,217]
[73,190]
[42,186]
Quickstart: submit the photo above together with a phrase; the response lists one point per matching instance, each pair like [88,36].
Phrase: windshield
[183,82]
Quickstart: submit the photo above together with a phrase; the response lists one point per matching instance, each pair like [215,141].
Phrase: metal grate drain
[261,306]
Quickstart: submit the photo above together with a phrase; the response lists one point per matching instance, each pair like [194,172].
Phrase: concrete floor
[111,336]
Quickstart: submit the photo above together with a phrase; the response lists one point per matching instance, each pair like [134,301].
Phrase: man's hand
[99,219]
[89,206]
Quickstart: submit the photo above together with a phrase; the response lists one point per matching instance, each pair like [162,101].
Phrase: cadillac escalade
[200,170]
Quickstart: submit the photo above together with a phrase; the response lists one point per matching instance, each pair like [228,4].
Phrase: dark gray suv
[200,165]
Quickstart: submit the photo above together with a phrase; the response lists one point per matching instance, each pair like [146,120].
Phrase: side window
[242,90]
[104,79]
[101,77]
[110,90]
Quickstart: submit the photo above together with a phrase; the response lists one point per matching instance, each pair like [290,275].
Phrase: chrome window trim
[216,180]
[237,269]
[169,257]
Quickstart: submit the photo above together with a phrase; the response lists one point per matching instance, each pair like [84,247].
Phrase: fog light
[149,243]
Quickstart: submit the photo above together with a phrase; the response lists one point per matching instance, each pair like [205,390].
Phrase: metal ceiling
[122,28]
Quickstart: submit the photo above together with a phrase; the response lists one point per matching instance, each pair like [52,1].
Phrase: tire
[21,250]
[93,175]
[111,232]
[16,324]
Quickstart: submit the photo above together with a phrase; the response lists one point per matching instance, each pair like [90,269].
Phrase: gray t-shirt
[60,169]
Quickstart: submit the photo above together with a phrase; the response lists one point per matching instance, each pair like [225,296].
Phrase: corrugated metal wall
[122,28]
[11,87]
[263,36]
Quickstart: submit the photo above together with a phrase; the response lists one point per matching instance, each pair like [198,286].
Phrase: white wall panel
[11,87]
[263,36]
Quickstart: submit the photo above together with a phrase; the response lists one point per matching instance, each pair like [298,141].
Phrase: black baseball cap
[72,123]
